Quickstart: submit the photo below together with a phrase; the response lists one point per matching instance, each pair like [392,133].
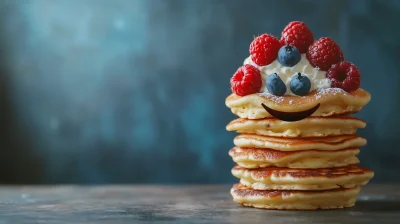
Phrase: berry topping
[289,56]
[300,84]
[246,80]
[344,75]
[275,85]
[324,53]
[264,49]
[297,34]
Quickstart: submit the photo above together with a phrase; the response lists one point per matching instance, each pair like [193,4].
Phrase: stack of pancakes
[306,164]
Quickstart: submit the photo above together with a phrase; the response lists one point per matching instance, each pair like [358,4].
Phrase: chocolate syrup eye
[300,84]
[275,85]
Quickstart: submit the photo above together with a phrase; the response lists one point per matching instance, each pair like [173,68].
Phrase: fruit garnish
[275,85]
[324,53]
[297,34]
[290,116]
[300,85]
[246,80]
[289,56]
[264,49]
[344,75]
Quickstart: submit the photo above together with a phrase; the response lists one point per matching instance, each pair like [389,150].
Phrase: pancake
[259,158]
[333,101]
[308,127]
[295,200]
[276,178]
[295,144]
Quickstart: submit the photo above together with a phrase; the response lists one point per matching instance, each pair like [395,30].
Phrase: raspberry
[297,34]
[246,80]
[324,53]
[264,49]
[344,75]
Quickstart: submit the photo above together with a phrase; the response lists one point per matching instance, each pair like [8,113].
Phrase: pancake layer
[295,200]
[275,178]
[296,144]
[259,158]
[309,127]
[332,102]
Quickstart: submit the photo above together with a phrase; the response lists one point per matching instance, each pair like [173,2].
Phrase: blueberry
[275,85]
[300,85]
[288,56]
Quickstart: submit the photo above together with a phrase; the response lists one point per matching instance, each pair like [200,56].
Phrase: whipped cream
[317,77]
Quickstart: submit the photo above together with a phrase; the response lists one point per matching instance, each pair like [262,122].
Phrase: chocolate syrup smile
[290,116]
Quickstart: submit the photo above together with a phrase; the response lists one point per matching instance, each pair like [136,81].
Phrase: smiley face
[290,64]
[300,85]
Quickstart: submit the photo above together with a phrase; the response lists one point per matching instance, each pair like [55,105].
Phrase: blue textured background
[103,91]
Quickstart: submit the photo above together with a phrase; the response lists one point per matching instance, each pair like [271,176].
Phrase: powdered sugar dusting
[304,99]
[319,94]
[276,99]
[329,91]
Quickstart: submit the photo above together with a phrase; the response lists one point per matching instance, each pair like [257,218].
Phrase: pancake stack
[306,164]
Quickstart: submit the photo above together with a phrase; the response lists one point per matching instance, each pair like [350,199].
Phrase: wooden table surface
[176,204]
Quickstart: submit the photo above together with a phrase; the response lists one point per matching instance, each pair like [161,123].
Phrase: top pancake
[332,101]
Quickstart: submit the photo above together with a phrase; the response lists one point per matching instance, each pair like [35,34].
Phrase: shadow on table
[377,206]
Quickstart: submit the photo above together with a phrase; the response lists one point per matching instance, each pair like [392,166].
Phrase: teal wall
[131,91]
